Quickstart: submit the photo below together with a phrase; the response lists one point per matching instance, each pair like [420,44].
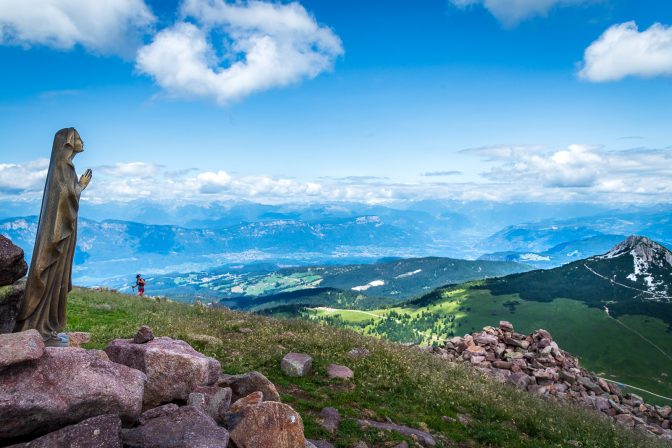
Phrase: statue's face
[78,145]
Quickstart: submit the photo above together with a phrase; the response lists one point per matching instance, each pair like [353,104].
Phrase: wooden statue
[50,275]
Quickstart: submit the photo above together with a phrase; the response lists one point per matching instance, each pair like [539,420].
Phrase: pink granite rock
[20,347]
[66,386]
[185,427]
[173,368]
[243,385]
[296,364]
[267,425]
[103,431]
[340,372]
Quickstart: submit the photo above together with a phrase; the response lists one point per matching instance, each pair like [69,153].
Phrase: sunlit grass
[403,384]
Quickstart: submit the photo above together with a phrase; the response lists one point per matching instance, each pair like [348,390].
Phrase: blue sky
[376,101]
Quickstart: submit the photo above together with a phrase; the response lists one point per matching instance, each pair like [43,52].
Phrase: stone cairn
[535,363]
[141,392]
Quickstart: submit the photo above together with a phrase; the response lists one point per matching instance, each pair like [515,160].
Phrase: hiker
[140,283]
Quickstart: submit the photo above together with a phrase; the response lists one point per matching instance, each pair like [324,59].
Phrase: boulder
[173,367]
[253,399]
[423,437]
[330,419]
[12,265]
[296,364]
[185,427]
[20,347]
[143,335]
[157,412]
[66,386]
[11,298]
[336,371]
[267,425]
[217,401]
[243,385]
[103,431]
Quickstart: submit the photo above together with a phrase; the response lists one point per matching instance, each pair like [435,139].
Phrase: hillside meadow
[631,349]
[403,384]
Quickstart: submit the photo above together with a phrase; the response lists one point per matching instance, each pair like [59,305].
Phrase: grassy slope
[406,385]
[602,344]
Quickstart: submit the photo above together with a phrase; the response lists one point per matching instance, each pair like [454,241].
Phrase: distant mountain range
[221,237]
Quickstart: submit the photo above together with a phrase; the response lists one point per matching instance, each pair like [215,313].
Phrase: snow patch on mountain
[408,274]
[369,285]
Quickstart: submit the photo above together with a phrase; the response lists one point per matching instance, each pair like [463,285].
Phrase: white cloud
[512,12]
[582,171]
[515,173]
[101,26]
[23,178]
[623,51]
[266,45]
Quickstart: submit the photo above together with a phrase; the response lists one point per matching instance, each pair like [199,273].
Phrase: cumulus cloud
[104,27]
[513,173]
[265,45]
[582,171]
[623,50]
[23,178]
[512,12]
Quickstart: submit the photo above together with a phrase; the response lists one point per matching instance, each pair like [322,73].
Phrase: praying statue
[50,275]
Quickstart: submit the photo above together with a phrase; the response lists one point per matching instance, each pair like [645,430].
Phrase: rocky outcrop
[173,368]
[103,431]
[243,385]
[66,386]
[79,398]
[184,427]
[12,264]
[267,425]
[16,348]
[535,363]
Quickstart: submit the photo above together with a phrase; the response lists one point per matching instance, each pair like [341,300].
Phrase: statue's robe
[50,275]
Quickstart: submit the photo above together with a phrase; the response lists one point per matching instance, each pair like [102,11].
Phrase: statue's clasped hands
[85,179]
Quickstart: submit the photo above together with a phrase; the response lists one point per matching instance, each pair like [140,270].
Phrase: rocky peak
[651,267]
[642,248]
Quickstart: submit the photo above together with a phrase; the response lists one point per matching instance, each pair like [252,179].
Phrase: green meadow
[635,350]
[394,382]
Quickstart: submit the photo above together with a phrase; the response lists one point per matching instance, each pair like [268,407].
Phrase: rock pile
[535,363]
[13,268]
[142,392]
